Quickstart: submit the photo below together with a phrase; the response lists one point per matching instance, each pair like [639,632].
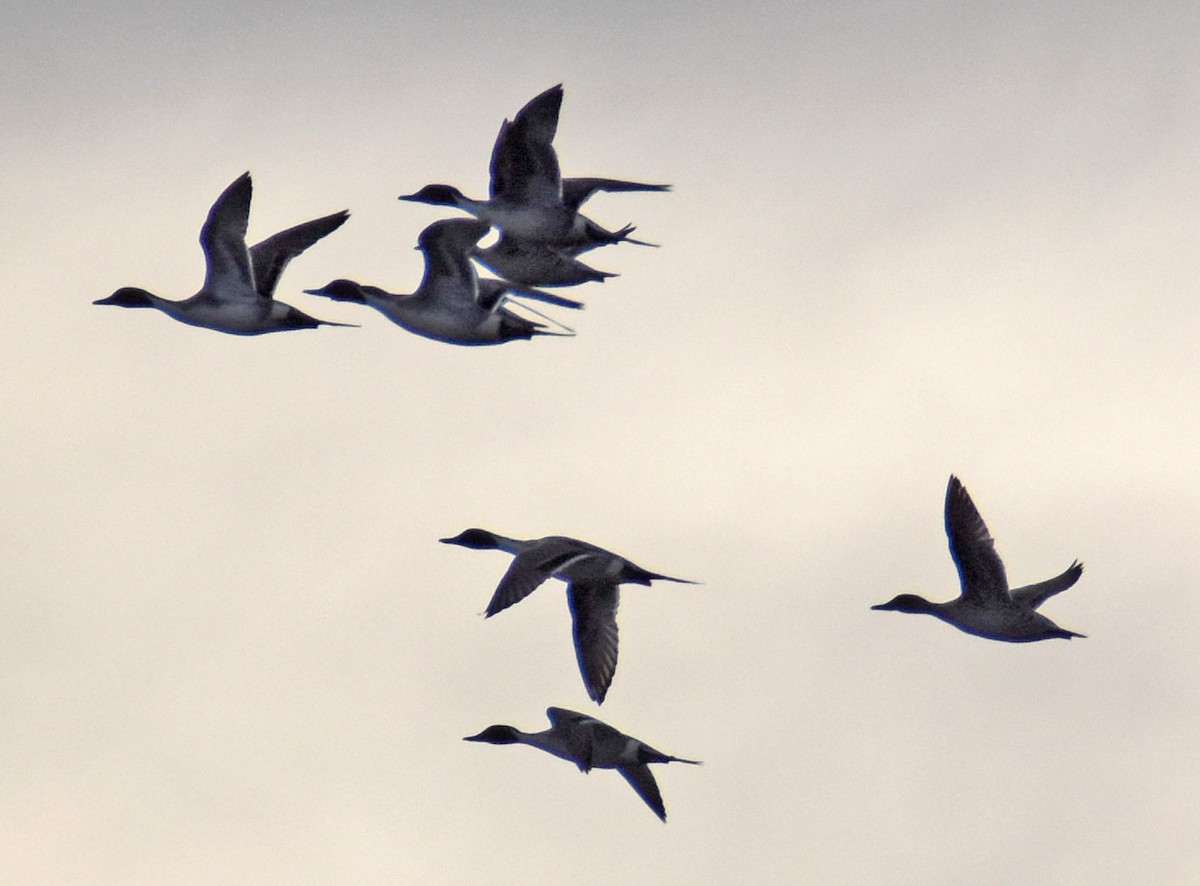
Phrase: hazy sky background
[904,240]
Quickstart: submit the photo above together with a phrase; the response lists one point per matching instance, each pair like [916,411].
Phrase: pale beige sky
[904,241]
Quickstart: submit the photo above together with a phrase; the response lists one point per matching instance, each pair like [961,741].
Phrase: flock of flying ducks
[541,235]
[531,204]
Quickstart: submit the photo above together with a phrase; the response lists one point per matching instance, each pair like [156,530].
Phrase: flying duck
[593,576]
[239,284]
[986,607]
[536,264]
[529,199]
[452,304]
[592,744]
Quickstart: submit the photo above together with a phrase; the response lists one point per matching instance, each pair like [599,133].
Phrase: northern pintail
[536,264]
[452,304]
[592,744]
[986,607]
[593,576]
[529,199]
[239,284]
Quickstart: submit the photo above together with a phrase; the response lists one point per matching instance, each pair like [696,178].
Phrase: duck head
[498,734]
[438,195]
[340,290]
[906,603]
[479,539]
[128,297]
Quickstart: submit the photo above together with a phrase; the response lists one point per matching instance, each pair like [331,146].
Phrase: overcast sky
[904,240]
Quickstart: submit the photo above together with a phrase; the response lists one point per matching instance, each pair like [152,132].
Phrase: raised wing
[524,166]
[272,255]
[223,239]
[980,569]
[538,118]
[449,275]
[1035,595]
[594,626]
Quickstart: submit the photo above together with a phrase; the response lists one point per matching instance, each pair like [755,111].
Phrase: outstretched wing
[524,167]
[450,279]
[641,779]
[272,255]
[575,191]
[223,239]
[1035,595]
[594,626]
[980,569]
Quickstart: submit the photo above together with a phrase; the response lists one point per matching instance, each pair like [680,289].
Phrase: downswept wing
[594,627]
[641,779]
[980,569]
[529,569]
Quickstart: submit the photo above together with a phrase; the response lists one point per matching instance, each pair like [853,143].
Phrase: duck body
[536,264]
[551,225]
[239,285]
[593,576]
[986,606]
[452,304]
[236,316]
[592,744]
[455,322]
[1010,624]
